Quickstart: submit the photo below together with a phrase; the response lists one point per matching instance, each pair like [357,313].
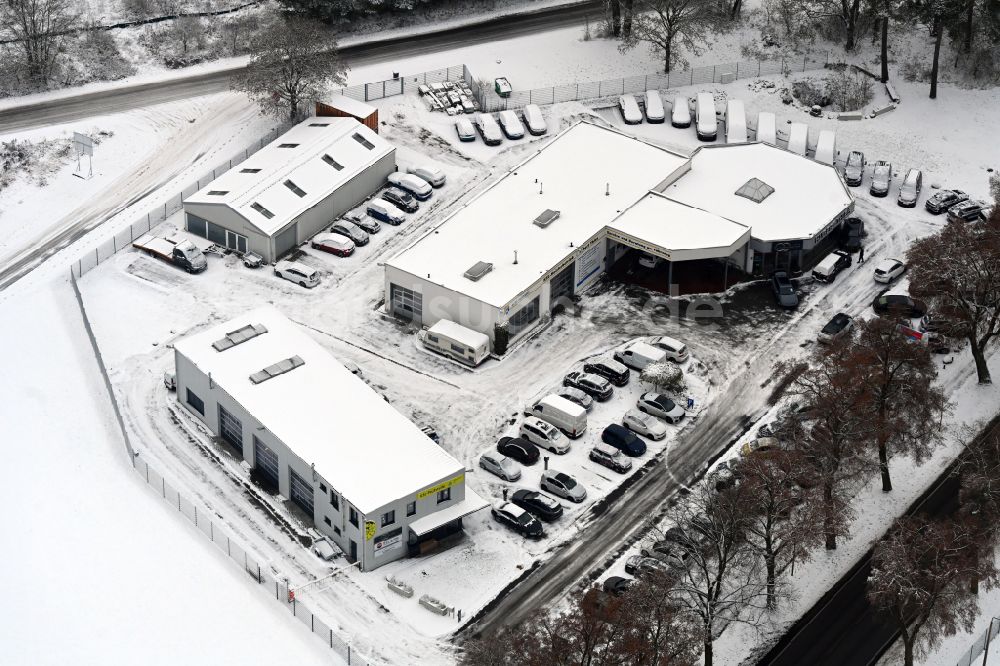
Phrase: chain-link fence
[979,645]
[124,238]
[398,85]
[489,100]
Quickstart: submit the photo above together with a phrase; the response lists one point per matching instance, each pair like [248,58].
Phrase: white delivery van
[434,176]
[798,138]
[654,106]
[766,130]
[489,130]
[630,109]
[707,124]
[460,343]
[640,354]
[535,121]
[511,125]
[826,147]
[568,416]
[833,263]
[416,186]
[680,115]
[736,122]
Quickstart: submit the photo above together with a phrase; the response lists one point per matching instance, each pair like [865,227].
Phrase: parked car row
[507,124]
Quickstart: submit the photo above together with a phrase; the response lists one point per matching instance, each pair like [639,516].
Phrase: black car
[637,565]
[538,504]
[851,234]
[967,211]
[612,370]
[590,383]
[899,304]
[854,172]
[784,292]
[519,449]
[518,520]
[367,223]
[836,328]
[617,585]
[401,199]
[623,439]
[944,200]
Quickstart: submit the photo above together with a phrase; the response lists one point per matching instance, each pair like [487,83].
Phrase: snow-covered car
[665,551]
[465,130]
[610,369]
[337,244]
[967,211]
[324,550]
[881,179]
[534,119]
[610,457]
[888,270]
[298,273]
[511,125]
[909,189]
[644,424]
[519,449]
[518,520]
[489,130]
[539,504]
[617,585]
[170,381]
[943,200]
[760,445]
[680,112]
[637,565]
[581,398]
[562,485]
[500,465]
[854,172]
[784,292]
[836,328]
[676,350]
[594,385]
[368,224]
[851,234]
[660,406]
[434,176]
[252,260]
[351,230]
[544,435]
[401,199]
[418,187]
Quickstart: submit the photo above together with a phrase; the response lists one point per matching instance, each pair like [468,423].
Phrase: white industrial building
[313,432]
[293,188]
[554,223]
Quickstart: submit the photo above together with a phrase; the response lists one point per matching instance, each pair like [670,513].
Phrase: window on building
[332,162]
[197,404]
[363,141]
[336,530]
[263,211]
[352,516]
[335,500]
[523,317]
[326,519]
[458,348]
[295,188]
[319,124]
[288,145]
[249,170]
[322,487]
[217,193]
[444,495]
[411,508]
[388,518]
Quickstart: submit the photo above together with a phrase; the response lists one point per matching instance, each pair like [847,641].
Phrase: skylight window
[755,190]
[263,211]
[288,145]
[249,170]
[319,124]
[239,336]
[363,141]
[279,368]
[332,162]
[217,193]
[295,188]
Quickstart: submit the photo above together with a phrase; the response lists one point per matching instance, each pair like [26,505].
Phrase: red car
[342,246]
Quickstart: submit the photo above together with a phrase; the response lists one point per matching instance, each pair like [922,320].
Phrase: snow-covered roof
[459,333]
[368,451]
[295,171]
[677,231]
[807,195]
[349,105]
[589,174]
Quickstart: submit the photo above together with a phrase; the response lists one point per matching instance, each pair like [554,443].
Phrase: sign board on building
[369,529]
[388,542]
[588,263]
[444,485]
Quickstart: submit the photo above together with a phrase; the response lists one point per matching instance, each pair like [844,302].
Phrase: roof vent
[239,336]
[279,368]
[755,190]
[480,269]
[547,217]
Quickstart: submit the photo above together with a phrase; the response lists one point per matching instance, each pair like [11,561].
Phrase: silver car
[660,406]
[544,435]
[351,230]
[644,424]
[501,465]
[563,485]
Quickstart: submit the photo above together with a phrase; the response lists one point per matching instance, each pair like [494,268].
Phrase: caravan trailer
[826,147]
[766,131]
[736,122]
[460,343]
[707,124]
[798,138]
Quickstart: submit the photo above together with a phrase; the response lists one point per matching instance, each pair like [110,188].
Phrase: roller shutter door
[562,283]
[265,463]
[285,241]
[301,492]
[231,430]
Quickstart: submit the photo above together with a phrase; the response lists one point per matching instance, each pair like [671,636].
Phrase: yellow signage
[369,529]
[444,485]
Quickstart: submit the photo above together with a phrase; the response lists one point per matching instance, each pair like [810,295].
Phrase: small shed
[342,106]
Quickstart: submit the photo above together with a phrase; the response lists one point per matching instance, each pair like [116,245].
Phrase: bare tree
[668,25]
[290,64]
[238,31]
[978,468]
[957,270]
[38,26]
[847,12]
[918,577]
[898,378]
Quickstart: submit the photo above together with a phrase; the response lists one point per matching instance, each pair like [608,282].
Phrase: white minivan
[707,124]
[654,106]
[630,109]
[456,341]
[511,125]
[564,414]
[535,121]
[640,354]
[680,115]
[736,122]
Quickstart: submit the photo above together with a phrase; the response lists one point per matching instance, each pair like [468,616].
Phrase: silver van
[909,190]
[564,414]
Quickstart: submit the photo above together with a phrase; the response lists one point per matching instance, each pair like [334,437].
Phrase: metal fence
[269,580]
[979,645]
[123,238]
[398,85]
[591,90]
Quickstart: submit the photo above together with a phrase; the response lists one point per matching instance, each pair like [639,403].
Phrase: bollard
[545,461]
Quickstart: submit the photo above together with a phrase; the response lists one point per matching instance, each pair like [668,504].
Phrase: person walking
[861,255]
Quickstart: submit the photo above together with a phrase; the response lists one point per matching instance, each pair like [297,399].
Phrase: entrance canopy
[470,504]
[676,231]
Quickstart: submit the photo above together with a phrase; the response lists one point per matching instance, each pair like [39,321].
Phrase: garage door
[301,491]
[285,241]
[406,303]
[265,463]
[231,430]
[562,284]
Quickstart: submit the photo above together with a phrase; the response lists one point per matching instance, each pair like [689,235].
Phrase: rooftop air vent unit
[239,336]
[480,269]
[547,217]
[279,368]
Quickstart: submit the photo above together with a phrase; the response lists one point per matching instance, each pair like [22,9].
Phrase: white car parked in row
[888,270]
[435,177]
[644,424]
[298,273]
[500,465]
[544,435]
[511,125]
[563,485]
[660,406]
[676,350]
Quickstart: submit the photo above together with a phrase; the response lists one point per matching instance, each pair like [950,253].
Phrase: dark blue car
[623,439]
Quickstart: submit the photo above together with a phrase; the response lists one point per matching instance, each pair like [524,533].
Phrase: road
[395,49]
[842,628]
